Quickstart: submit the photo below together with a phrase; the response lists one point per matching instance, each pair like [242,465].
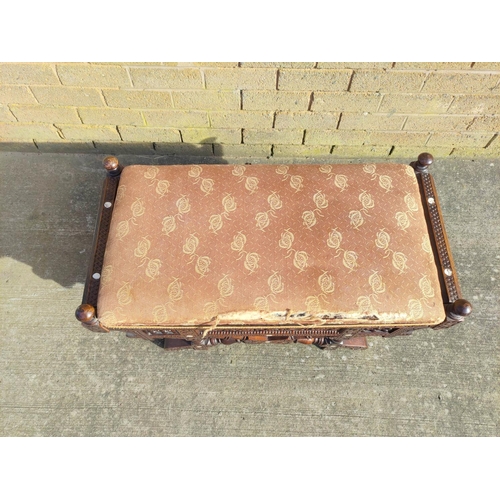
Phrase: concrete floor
[58,379]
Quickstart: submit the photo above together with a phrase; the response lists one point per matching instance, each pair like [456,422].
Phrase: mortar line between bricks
[470,124]
[311,101]
[338,122]
[101,95]
[497,84]
[78,113]
[468,71]
[59,131]
[32,93]
[425,80]
[491,140]
[144,66]
[54,66]
[427,115]
[118,132]
[12,113]
[104,98]
[154,89]
[350,81]
[441,71]
[129,76]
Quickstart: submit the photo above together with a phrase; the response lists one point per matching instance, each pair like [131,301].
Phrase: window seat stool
[190,256]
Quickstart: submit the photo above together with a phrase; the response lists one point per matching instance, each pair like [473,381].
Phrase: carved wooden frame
[457,308]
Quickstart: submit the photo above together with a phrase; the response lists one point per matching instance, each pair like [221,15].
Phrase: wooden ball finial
[85,313]
[425,159]
[462,307]
[111,164]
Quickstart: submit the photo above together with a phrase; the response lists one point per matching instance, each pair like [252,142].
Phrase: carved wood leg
[176,344]
[355,343]
[350,343]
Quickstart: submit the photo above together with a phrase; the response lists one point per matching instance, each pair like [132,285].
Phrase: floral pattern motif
[300,257]
[399,259]
[199,244]
[203,262]
[251,182]
[296,181]
[350,259]
[365,303]
[263,218]
[206,184]
[384,181]
[161,186]
[138,209]
[215,222]
[169,223]
[251,262]
[152,265]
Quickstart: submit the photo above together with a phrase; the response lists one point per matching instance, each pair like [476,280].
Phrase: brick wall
[277,110]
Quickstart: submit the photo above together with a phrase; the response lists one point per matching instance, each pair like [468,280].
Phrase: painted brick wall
[275,110]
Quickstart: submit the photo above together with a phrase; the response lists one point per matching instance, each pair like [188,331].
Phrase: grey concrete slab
[57,379]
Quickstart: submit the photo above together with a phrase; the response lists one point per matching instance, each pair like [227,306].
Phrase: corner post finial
[85,313]
[456,312]
[112,165]
[423,163]
[459,310]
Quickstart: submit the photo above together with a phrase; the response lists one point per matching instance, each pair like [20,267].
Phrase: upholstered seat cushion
[206,245]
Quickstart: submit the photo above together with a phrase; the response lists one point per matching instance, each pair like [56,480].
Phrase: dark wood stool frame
[457,309]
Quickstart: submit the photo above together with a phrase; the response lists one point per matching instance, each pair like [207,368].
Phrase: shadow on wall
[49,205]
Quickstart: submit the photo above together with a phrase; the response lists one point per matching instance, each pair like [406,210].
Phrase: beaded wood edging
[447,266]
[106,206]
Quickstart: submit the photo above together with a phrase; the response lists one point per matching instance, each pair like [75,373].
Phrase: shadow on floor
[49,207]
